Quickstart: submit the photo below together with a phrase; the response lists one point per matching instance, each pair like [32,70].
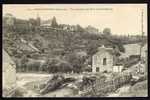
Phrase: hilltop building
[46,23]
[49,23]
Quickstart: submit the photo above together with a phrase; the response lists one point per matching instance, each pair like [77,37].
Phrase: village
[47,59]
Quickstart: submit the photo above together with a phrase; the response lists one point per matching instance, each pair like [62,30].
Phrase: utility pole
[142,33]
[141,44]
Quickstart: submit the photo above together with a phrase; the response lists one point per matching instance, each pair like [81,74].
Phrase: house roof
[109,50]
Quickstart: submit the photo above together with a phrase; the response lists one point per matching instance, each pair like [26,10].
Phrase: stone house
[103,60]
[9,74]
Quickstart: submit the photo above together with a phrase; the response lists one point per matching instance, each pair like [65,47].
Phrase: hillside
[56,41]
[72,44]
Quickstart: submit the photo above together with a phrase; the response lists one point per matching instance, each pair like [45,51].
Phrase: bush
[139,89]
[64,67]
[142,78]
[87,69]
[18,94]
[57,65]
[131,61]
[105,71]
[134,57]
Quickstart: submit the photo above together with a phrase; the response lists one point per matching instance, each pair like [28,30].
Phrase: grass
[140,89]
[20,92]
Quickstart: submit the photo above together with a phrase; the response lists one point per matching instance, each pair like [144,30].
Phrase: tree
[92,47]
[77,62]
[87,69]
[121,47]
[51,65]
[107,31]
[54,22]
[65,67]
[79,28]
[23,61]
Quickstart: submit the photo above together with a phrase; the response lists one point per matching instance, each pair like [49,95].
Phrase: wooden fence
[101,87]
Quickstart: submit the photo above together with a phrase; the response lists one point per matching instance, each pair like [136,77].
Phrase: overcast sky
[121,18]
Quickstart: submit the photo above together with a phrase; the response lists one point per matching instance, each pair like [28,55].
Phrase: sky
[122,19]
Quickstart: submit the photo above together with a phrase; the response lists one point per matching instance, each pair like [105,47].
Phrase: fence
[101,87]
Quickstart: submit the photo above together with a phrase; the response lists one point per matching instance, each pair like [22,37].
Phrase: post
[142,33]
[142,36]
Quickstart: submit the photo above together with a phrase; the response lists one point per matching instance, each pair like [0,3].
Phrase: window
[97,69]
[104,61]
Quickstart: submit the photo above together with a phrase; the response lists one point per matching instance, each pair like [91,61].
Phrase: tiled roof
[103,48]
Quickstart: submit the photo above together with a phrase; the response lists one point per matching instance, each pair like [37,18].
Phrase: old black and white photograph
[74,50]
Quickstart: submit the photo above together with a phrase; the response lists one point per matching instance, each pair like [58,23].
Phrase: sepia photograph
[74,50]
